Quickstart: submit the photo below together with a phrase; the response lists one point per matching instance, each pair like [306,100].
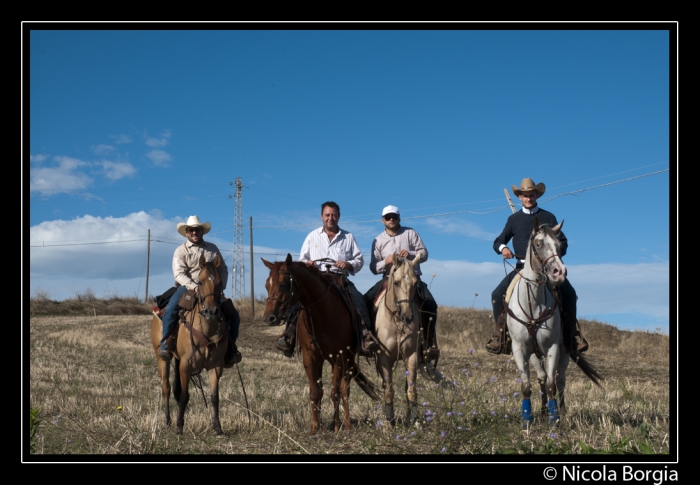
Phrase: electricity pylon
[238,270]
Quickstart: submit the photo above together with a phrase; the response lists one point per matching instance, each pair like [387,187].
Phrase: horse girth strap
[201,338]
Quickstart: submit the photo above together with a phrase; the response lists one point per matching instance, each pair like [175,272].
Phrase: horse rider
[331,242]
[406,242]
[186,270]
[519,228]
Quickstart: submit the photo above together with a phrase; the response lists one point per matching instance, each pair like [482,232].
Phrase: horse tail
[366,385]
[587,368]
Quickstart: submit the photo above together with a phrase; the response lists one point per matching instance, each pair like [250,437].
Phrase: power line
[239,225]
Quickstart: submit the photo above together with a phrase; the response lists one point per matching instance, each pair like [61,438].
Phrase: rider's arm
[305,253]
[376,263]
[506,235]
[355,258]
[416,245]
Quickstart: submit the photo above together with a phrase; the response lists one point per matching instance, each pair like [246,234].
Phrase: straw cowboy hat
[526,185]
[193,221]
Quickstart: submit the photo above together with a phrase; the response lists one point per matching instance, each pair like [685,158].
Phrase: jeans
[171,312]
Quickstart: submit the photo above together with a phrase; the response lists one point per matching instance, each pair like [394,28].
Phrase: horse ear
[268,264]
[217,261]
[558,227]
[537,224]
[288,261]
[417,258]
[202,262]
[396,260]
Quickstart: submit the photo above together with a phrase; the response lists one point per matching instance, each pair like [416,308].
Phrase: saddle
[500,342]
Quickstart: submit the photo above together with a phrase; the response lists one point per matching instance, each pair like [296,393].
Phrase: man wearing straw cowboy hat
[519,228]
[186,270]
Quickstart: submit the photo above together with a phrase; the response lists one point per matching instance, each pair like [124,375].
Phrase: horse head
[402,286]
[279,287]
[209,291]
[545,253]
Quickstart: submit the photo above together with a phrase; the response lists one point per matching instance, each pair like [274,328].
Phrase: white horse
[534,324]
[398,332]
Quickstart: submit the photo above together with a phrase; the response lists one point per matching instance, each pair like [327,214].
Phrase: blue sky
[127,131]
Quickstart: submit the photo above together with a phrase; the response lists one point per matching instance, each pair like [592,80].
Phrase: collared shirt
[385,245]
[519,228]
[342,248]
[186,263]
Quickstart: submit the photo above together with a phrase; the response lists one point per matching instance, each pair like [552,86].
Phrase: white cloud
[117,170]
[158,142]
[463,227]
[121,139]
[159,157]
[64,177]
[37,158]
[102,149]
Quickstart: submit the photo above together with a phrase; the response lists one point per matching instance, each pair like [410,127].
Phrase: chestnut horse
[398,332]
[325,332]
[201,344]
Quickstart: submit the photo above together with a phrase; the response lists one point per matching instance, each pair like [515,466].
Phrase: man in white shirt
[406,243]
[330,242]
[186,272]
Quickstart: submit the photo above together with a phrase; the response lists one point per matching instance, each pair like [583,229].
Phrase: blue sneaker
[164,353]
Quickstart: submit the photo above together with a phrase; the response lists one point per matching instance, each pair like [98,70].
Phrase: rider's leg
[497,339]
[233,322]
[570,332]
[170,319]
[368,341]
[370,296]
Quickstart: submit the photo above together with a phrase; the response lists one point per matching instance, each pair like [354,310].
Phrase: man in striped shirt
[406,243]
[332,242]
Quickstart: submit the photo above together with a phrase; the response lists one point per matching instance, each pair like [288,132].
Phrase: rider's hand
[404,254]
[507,254]
[310,262]
[389,259]
[196,290]
[341,265]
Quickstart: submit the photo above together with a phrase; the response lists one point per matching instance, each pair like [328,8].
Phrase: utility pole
[252,290]
[148,265]
[238,272]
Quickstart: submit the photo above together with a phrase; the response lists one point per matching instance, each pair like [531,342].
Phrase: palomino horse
[534,323]
[398,332]
[325,332]
[201,344]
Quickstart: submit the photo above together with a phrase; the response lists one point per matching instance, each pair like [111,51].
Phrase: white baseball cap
[390,209]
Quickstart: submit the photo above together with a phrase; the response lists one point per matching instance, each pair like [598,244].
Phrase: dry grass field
[94,390]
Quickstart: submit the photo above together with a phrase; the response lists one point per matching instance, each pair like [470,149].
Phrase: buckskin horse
[398,332]
[534,324]
[201,344]
[325,332]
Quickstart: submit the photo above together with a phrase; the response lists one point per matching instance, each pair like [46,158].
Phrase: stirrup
[494,345]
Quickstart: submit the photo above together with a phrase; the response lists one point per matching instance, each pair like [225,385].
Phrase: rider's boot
[496,342]
[369,343]
[432,352]
[233,320]
[287,340]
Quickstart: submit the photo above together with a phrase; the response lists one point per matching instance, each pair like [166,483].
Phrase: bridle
[532,322]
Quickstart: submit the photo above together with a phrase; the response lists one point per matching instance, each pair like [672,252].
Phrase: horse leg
[164,371]
[561,380]
[314,372]
[335,394]
[411,391]
[214,377]
[184,396]
[542,380]
[552,365]
[526,408]
[387,384]
[345,393]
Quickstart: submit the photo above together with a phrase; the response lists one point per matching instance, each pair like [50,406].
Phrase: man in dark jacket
[519,228]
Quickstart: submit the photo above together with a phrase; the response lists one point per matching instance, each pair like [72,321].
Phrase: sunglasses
[392,217]
[192,230]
